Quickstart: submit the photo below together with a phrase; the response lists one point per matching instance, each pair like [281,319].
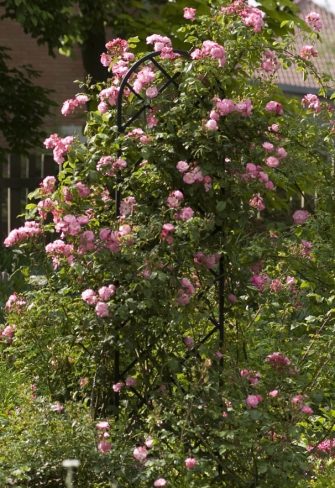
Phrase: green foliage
[252,407]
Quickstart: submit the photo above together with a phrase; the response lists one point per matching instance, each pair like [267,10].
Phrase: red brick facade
[57,73]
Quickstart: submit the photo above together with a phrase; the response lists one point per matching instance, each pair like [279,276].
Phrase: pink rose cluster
[270,63]
[7,334]
[111,239]
[193,174]
[110,165]
[163,45]
[118,54]
[299,402]
[70,224]
[325,447]
[278,360]
[99,299]
[108,98]
[174,199]
[211,50]
[167,233]
[139,135]
[224,107]
[255,172]
[127,206]
[252,377]
[185,292]
[250,16]
[306,248]
[311,102]
[29,230]
[160,482]
[279,153]
[259,281]
[144,78]
[58,250]
[48,185]
[69,106]
[15,303]
[104,445]
[140,453]
[210,261]
[60,146]
[313,19]
[130,383]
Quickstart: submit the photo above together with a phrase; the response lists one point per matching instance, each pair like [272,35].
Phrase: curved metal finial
[125,84]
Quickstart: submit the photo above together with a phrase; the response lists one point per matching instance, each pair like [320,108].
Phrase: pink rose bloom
[57,407]
[104,447]
[152,92]
[274,107]
[103,107]
[311,102]
[223,107]
[189,13]
[182,166]
[314,21]
[253,401]
[190,463]
[281,153]
[160,482]
[140,454]
[89,296]
[259,281]
[83,189]
[185,214]
[268,146]
[175,198]
[297,399]
[149,442]
[300,216]
[189,342]
[106,292]
[8,333]
[274,128]
[212,125]
[102,425]
[117,387]
[244,108]
[101,309]
[232,298]
[105,60]
[273,393]
[272,162]
[130,382]
[183,298]
[307,52]
[276,285]
[307,410]
[48,185]
[257,202]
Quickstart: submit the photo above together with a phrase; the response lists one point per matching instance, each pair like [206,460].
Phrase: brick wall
[56,73]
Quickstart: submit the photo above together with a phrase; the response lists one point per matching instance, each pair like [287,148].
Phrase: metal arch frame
[219,277]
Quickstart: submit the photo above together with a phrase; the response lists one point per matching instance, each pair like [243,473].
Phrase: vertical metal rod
[221,307]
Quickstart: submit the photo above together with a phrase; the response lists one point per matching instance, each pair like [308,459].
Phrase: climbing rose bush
[179,280]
